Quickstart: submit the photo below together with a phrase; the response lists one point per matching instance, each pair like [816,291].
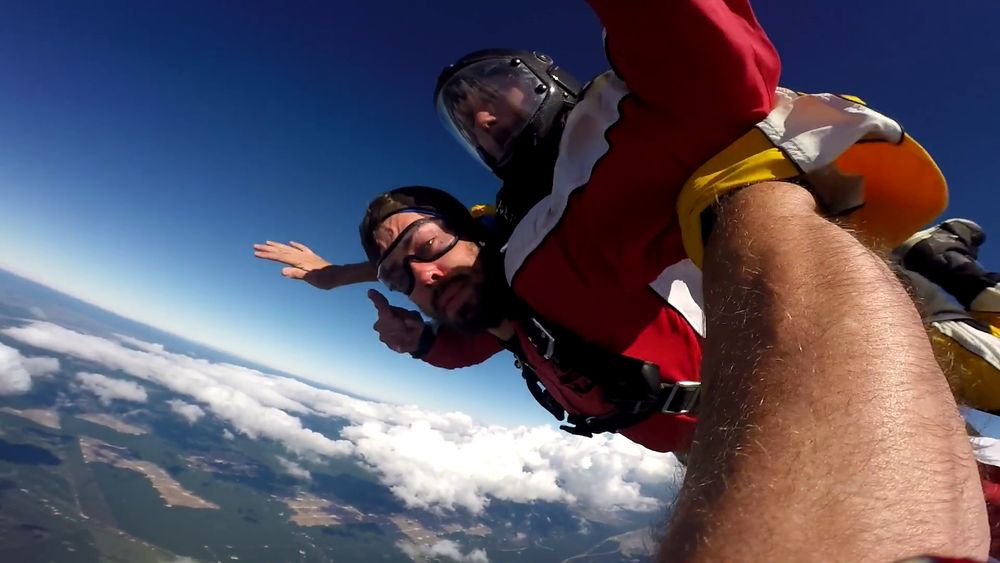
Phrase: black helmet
[421,199]
[501,104]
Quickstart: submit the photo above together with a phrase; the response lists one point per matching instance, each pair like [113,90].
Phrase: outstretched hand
[300,258]
[304,264]
[399,329]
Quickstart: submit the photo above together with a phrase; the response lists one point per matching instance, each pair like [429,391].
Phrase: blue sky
[145,146]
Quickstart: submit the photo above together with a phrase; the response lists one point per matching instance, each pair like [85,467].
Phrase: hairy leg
[827,430]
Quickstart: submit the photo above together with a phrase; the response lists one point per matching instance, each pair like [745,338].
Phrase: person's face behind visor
[487,105]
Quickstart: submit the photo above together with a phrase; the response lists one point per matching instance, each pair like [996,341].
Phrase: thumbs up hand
[399,329]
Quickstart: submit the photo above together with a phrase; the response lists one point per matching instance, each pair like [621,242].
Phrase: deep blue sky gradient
[145,146]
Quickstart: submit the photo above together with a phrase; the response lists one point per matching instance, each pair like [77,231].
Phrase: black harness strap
[540,394]
[677,398]
[622,378]
[632,386]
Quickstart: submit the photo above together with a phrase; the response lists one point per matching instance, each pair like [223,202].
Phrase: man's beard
[491,300]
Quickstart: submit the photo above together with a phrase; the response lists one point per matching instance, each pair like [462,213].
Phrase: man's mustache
[456,277]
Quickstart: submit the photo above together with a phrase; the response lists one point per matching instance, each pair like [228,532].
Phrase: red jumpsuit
[602,256]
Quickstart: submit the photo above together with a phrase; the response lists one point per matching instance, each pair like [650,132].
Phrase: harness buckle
[550,341]
[682,398]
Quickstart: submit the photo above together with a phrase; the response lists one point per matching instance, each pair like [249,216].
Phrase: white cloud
[431,460]
[110,389]
[245,398]
[40,366]
[227,434]
[14,377]
[443,548]
[16,370]
[140,344]
[294,469]
[431,468]
[187,411]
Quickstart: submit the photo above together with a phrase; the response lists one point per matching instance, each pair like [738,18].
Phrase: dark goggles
[424,240]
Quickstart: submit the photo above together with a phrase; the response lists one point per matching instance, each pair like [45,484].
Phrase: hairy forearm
[826,428]
[338,275]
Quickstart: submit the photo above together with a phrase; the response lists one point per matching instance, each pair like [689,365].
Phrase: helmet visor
[487,104]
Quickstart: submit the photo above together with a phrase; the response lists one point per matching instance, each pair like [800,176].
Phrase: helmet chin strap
[527,178]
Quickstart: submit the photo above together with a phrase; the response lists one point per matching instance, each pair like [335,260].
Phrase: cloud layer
[437,461]
[109,389]
[245,398]
[16,370]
